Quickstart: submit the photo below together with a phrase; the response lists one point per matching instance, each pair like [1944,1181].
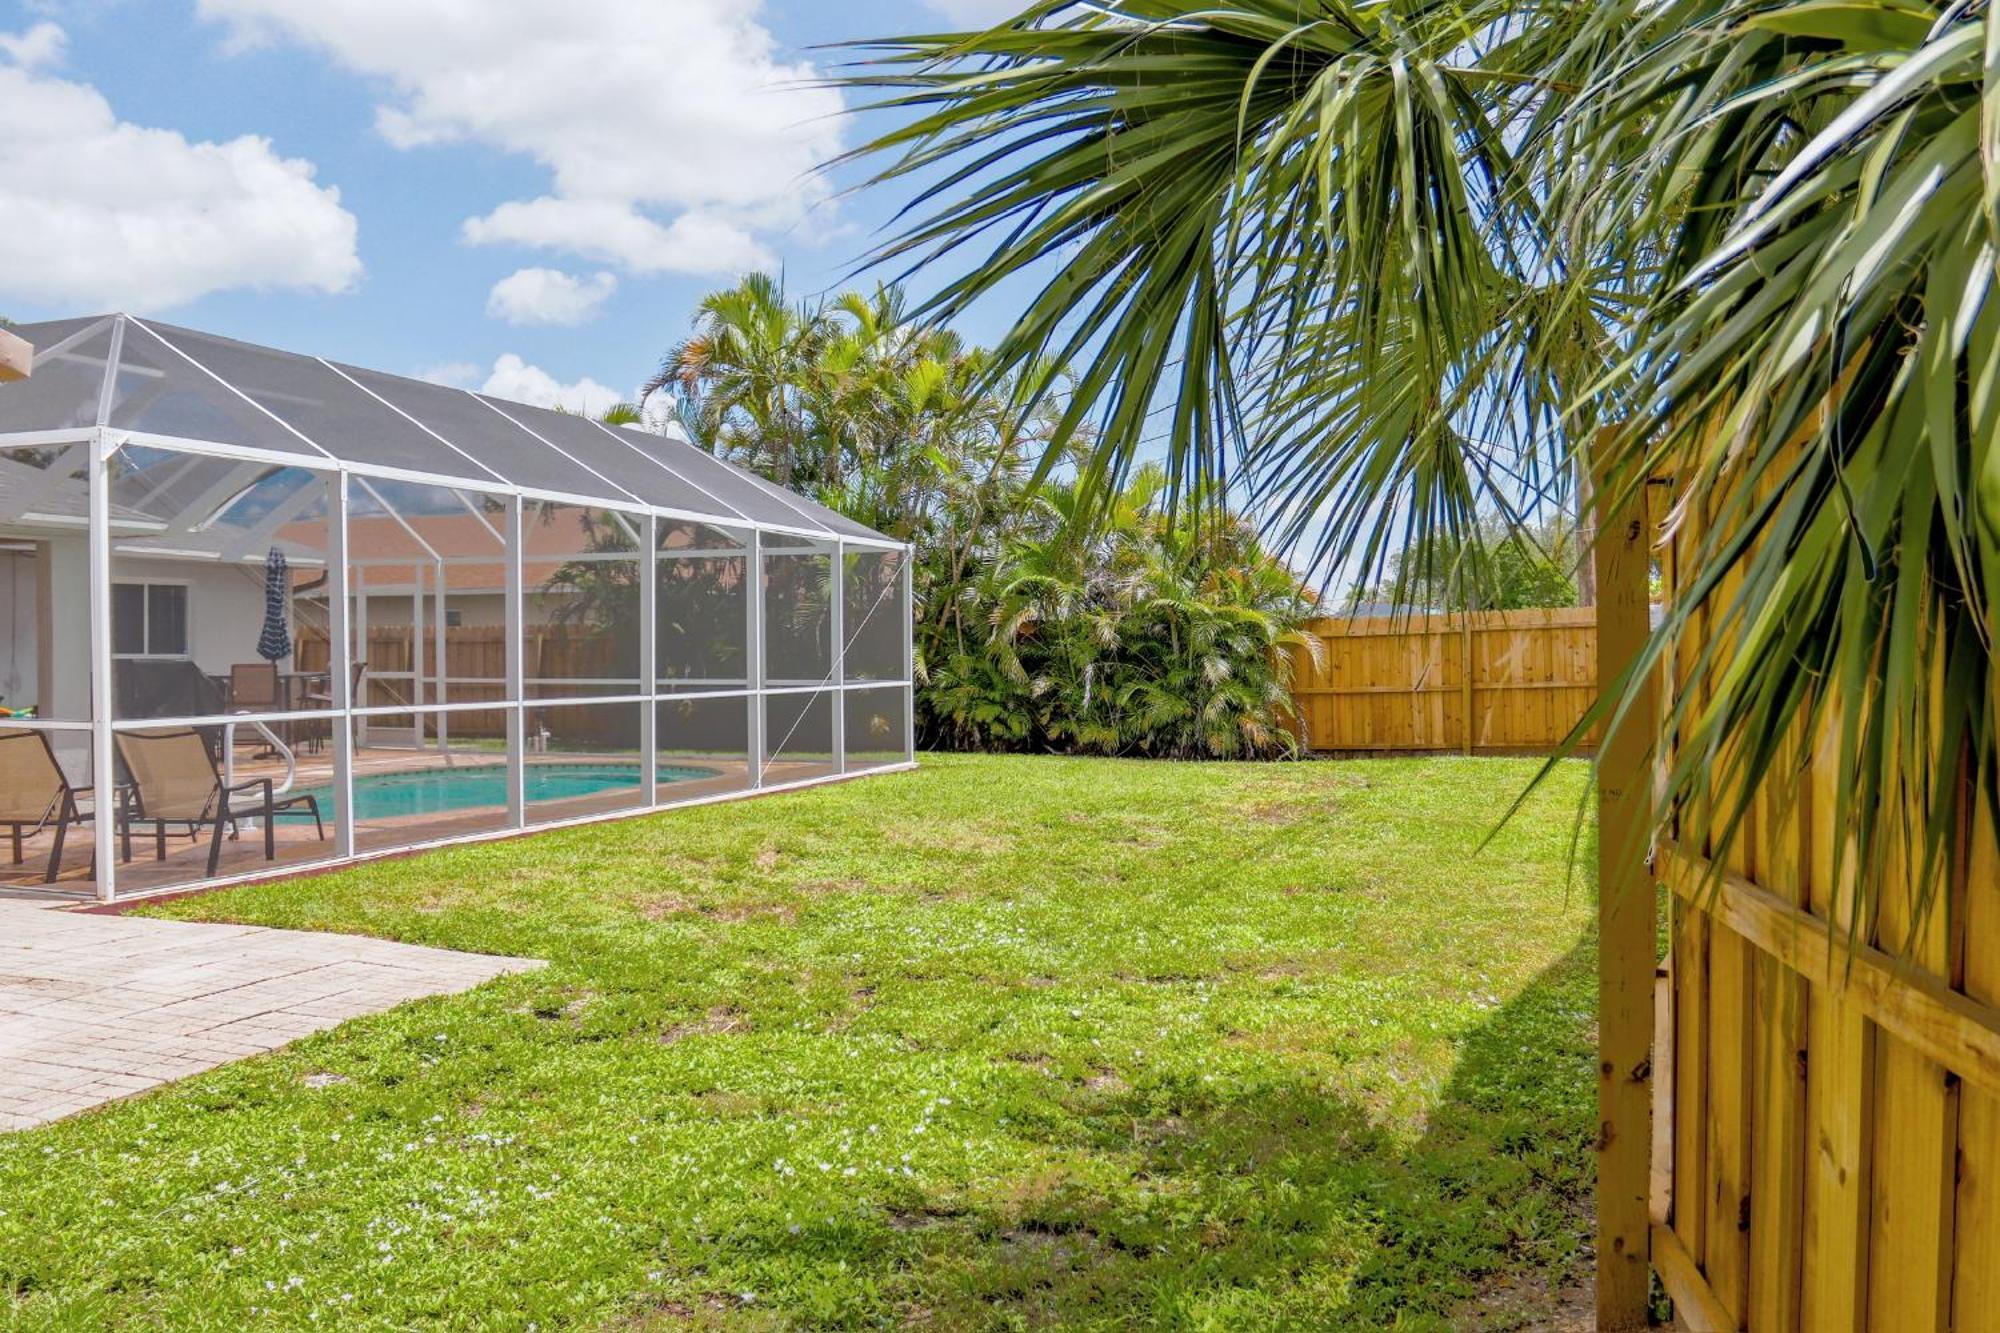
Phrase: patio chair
[174,780]
[34,792]
[255,687]
[324,698]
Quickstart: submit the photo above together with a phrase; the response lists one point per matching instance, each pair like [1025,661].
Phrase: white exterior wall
[225,616]
[20,645]
[225,606]
[68,622]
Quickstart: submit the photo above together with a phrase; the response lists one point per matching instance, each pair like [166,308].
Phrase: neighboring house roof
[551,539]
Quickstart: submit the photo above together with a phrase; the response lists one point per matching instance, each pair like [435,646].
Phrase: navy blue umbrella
[275,643]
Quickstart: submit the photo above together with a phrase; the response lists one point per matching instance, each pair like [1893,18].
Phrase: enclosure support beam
[837,601]
[517,638]
[754,651]
[439,625]
[907,602]
[1626,925]
[649,670]
[340,663]
[102,768]
[358,600]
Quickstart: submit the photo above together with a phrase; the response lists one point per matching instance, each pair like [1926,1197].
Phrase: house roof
[162,385]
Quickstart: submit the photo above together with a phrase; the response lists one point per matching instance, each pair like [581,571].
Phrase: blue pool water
[444,790]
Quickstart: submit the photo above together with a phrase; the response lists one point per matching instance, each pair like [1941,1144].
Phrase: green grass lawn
[1002,1043]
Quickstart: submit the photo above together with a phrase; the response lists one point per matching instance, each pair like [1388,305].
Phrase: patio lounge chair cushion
[31,782]
[172,770]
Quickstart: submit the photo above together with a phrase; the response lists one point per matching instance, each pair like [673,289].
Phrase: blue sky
[525,195]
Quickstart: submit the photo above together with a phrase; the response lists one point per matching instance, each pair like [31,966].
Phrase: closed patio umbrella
[275,642]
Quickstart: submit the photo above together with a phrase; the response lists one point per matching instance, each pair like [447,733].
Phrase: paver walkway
[93,1008]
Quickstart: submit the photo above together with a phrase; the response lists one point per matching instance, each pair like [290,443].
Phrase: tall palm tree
[737,381]
[1385,269]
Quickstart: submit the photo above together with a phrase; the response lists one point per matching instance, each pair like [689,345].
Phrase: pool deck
[185,861]
[97,1008]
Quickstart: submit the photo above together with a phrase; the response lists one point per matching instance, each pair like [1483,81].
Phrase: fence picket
[1509,682]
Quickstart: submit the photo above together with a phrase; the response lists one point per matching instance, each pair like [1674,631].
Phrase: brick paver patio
[94,1008]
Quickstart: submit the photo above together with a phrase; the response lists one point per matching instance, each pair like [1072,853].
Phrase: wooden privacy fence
[475,667]
[1521,679]
[1826,1118]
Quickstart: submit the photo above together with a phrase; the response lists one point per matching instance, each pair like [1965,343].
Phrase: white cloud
[40,45]
[516,379]
[674,132]
[100,212]
[617,233]
[451,374]
[548,296]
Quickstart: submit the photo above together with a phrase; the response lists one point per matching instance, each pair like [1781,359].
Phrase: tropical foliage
[1497,567]
[1145,631]
[1397,265]
[1042,624]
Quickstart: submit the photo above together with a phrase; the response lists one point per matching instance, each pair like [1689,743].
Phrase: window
[149,620]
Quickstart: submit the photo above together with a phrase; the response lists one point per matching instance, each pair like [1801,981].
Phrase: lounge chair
[174,780]
[34,793]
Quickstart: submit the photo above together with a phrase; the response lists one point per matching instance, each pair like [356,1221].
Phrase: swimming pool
[446,790]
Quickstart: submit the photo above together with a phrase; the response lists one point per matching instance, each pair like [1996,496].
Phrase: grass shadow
[1279,1204]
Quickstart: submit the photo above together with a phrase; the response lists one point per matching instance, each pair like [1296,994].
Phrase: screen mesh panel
[319,404]
[493,442]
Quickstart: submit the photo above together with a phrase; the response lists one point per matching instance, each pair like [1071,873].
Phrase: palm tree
[737,381]
[1386,269]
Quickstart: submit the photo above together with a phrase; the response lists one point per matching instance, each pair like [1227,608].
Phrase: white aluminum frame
[104,445]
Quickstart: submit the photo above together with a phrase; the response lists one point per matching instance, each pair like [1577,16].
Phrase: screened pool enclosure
[261,611]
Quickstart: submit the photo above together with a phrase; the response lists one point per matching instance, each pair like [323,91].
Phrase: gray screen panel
[497,443]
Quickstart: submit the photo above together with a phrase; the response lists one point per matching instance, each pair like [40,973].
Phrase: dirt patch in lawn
[721,1019]
[1531,1303]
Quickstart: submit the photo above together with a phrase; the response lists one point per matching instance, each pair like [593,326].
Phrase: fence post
[1626,924]
[1465,673]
